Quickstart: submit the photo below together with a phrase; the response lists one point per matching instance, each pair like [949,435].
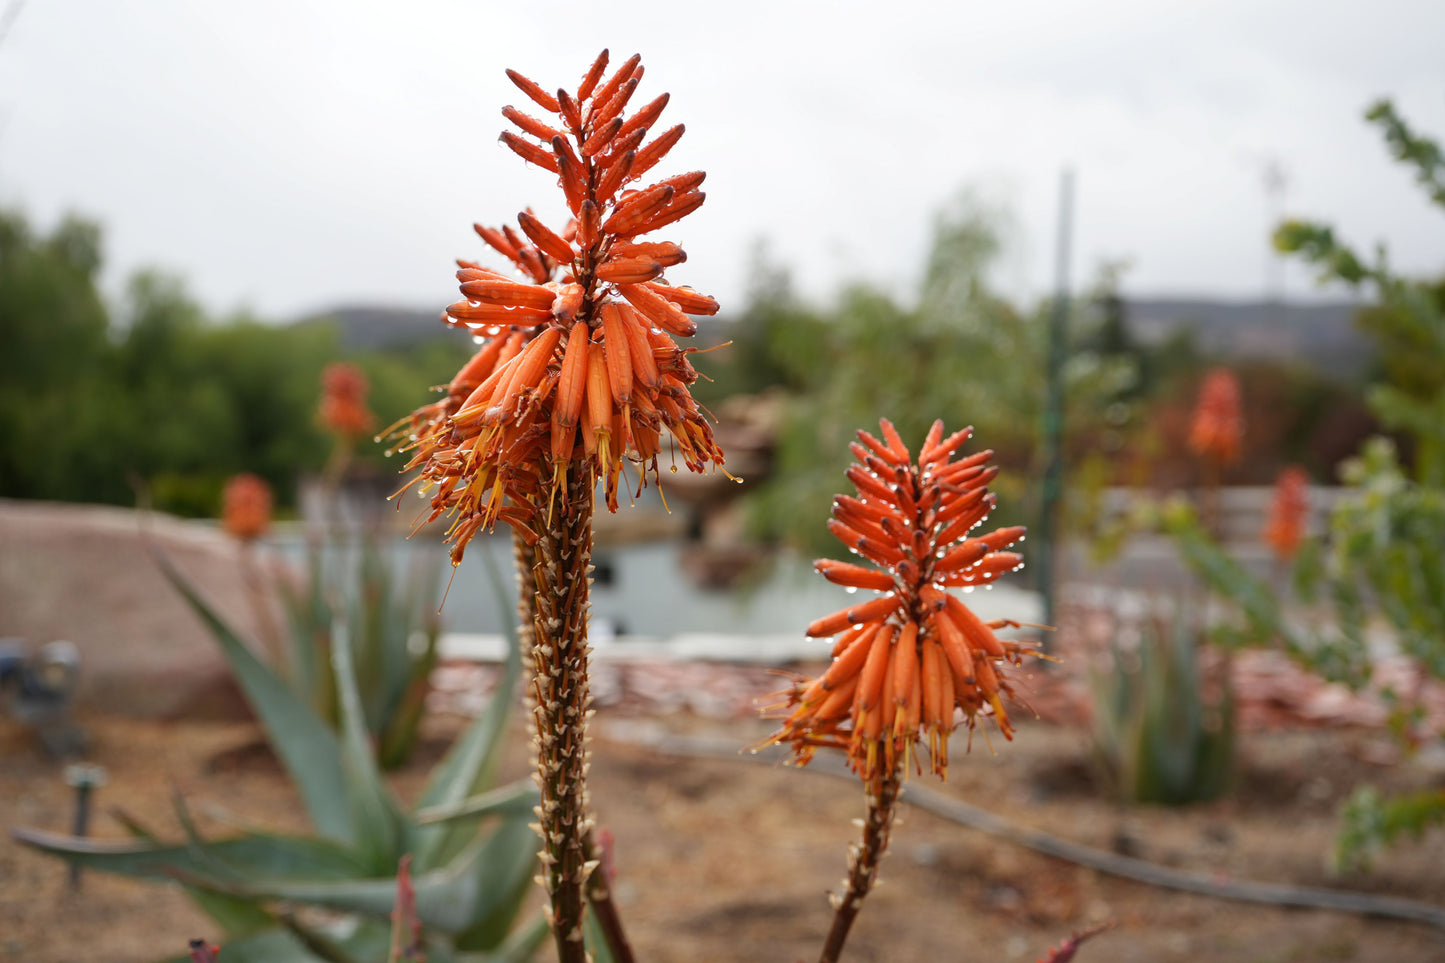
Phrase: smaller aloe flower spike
[908,659]
[1218,425]
[1288,513]
[246,507]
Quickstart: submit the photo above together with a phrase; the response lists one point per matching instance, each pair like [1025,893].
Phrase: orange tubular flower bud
[623,74]
[686,299]
[978,634]
[875,670]
[570,110]
[601,137]
[658,310]
[608,111]
[850,662]
[632,270]
[543,99]
[665,253]
[475,371]
[941,451]
[875,609]
[494,314]
[615,347]
[648,157]
[508,293]
[574,181]
[961,557]
[1004,537]
[681,207]
[498,241]
[905,663]
[588,225]
[987,570]
[616,173]
[599,391]
[529,151]
[842,573]
[644,365]
[851,637]
[896,447]
[529,124]
[545,238]
[645,117]
[572,383]
[636,208]
[594,74]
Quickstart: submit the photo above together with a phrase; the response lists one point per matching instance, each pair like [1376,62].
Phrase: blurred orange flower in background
[1288,513]
[246,507]
[579,365]
[905,661]
[1218,425]
[343,401]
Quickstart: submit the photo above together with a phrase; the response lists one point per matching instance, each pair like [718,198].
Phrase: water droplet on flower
[672,468]
[494,331]
[967,589]
[851,590]
[478,339]
[656,329]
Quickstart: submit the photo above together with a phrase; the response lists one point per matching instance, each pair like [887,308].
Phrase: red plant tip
[246,507]
[1218,424]
[1288,513]
[908,660]
[343,401]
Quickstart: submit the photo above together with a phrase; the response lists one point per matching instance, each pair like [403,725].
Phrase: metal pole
[1053,427]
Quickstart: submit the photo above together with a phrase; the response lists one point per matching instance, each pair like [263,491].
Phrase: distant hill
[363,329]
[1323,335]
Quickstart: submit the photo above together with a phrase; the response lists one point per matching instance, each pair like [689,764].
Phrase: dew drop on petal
[478,339]
[672,468]
[968,590]
[851,590]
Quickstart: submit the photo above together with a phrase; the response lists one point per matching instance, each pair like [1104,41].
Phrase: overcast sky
[288,157]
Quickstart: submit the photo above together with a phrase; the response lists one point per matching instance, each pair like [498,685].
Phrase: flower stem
[599,898]
[561,578]
[863,860]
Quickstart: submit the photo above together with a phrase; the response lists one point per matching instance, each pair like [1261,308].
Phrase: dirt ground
[726,859]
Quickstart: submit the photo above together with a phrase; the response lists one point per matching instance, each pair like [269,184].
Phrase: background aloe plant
[1159,735]
[280,898]
[394,629]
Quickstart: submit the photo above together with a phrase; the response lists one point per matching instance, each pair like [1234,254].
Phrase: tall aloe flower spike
[577,375]
[907,661]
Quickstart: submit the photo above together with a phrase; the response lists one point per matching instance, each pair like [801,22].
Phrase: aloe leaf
[522,945]
[517,797]
[502,876]
[377,822]
[469,765]
[596,940]
[477,886]
[307,748]
[236,916]
[252,855]
[289,944]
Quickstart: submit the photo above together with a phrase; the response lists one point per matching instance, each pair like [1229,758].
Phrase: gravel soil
[729,859]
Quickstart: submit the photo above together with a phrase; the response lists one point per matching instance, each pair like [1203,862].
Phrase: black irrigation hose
[1141,871]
